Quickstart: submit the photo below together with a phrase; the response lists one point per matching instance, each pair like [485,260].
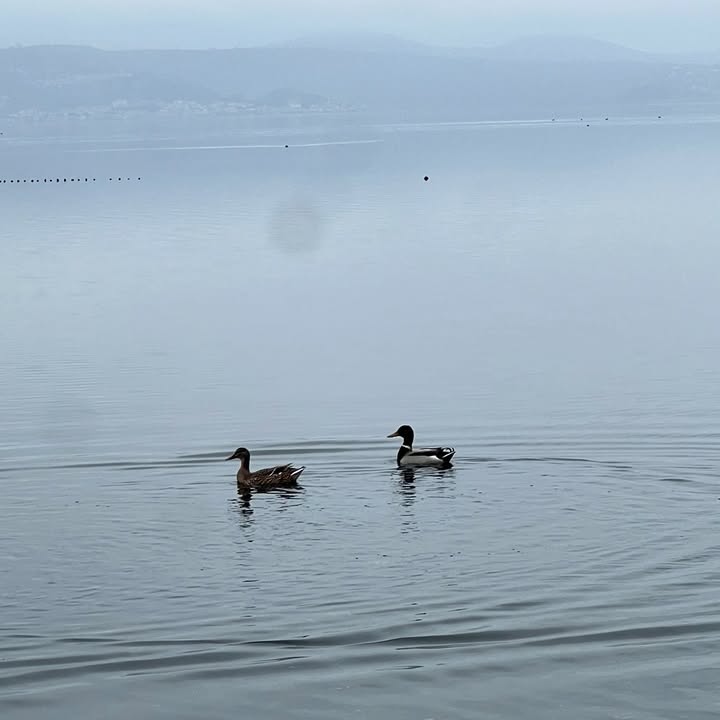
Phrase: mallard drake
[280,476]
[435,457]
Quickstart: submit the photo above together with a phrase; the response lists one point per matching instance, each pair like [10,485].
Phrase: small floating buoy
[286,146]
[426,178]
[37,181]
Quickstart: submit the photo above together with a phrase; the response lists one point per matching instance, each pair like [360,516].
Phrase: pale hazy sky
[657,25]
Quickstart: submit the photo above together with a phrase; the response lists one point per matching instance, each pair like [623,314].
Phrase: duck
[433,457]
[279,476]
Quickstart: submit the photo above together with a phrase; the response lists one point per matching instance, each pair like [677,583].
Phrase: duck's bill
[232,457]
[395,434]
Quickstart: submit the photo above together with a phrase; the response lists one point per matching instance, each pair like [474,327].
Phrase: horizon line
[324,40]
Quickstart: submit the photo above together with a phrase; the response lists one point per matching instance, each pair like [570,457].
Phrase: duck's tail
[446,455]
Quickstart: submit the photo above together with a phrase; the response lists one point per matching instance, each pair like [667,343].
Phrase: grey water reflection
[546,304]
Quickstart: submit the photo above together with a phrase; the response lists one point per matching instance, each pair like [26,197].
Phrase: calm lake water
[547,302]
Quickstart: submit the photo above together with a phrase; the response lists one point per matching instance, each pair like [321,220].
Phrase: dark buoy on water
[37,181]
[286,146]
[426,178]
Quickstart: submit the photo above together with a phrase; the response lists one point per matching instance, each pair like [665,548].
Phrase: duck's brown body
[280,476]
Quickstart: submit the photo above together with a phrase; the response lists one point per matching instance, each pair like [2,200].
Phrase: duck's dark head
[406,433]
[241,454]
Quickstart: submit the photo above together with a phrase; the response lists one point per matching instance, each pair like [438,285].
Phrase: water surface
[546,302]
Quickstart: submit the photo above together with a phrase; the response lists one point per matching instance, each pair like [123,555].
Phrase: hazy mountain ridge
[548,48]
[530,77]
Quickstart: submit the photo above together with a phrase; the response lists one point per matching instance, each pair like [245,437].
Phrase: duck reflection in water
[406,486]
[245,510]
[242,507]
[407,476]
[435,478]
[245,494]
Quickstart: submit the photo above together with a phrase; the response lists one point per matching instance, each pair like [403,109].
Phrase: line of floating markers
[38,181]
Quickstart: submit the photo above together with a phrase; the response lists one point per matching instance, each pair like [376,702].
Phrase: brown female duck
[280,476]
